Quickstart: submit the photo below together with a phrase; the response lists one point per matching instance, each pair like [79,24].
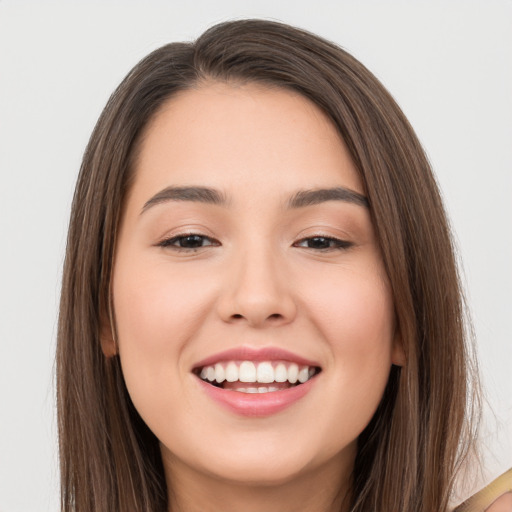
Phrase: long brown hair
[408,454]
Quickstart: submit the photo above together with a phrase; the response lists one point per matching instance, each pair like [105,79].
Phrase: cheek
[354,311]
[355,315]
[157,310]
[156,305]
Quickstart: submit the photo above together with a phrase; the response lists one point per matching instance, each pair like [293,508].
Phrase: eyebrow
[195,194]
[322,195]
[300,199]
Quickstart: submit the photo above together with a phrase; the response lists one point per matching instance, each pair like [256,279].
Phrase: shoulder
[496,497]
[502,504]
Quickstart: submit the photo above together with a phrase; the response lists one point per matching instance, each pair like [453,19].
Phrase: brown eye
[188,241]
[323,243]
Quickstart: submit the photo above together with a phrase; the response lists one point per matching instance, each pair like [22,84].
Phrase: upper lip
[246,353]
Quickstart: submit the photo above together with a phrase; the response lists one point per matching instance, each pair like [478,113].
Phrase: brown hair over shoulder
[409,453]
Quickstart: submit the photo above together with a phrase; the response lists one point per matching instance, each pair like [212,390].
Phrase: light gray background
[448,63]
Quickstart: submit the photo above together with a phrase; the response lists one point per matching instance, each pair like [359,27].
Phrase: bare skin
[312,493]
[251,264]
[502,504]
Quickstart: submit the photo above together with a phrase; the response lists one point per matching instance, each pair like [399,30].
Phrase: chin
[263,462]
[258,471]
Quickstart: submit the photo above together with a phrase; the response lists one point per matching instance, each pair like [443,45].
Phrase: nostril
[274,316]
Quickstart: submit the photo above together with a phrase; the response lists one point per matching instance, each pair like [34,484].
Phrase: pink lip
[255,354]
[257,404]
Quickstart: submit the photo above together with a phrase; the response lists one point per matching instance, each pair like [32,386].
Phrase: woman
[260,307]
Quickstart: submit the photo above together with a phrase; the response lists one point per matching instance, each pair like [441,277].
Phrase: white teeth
[263,389]
[247,372]
[293,373]
[265,373]
[303,374]
[231,372]
[220,373]
[281,373]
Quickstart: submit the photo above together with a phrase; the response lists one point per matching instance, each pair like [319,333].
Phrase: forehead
[243,136]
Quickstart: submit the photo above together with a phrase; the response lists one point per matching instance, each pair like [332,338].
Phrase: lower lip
[257,404]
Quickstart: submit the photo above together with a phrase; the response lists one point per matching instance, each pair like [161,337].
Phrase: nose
[256,292]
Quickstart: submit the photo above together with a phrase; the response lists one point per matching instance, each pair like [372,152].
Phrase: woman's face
[246,260]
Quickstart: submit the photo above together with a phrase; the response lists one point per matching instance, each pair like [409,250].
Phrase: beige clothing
[483,499]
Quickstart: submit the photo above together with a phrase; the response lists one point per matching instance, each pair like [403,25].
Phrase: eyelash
[333,243]
[173,241]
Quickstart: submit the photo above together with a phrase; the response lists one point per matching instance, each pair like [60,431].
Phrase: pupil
[318,242]
[191,241]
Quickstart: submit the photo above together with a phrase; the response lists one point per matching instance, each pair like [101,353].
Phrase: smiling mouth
[256,377]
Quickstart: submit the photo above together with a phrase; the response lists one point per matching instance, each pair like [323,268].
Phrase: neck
[324,489]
